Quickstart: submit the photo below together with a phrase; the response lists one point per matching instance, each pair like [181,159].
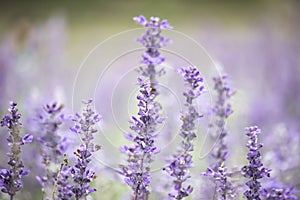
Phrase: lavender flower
[63,186]
[153,41]
[64,189]
[222,111]
[53,146]
[254,170]
[81,174]
[278,194]
[224,188]
[179,165]
[140,153]
[10,179]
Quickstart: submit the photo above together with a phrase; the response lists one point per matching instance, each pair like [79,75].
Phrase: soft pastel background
[43,43]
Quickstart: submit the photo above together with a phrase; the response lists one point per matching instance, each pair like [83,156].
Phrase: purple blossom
[224,187]
[64,189]
[278,194]
[140,152]
[80,172]
[222,110]
[179,165]
[153,41]
[53,146]
[254,170]
[10,179]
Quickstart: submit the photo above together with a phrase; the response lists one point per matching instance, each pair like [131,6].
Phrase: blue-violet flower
[179,165]
[10,179]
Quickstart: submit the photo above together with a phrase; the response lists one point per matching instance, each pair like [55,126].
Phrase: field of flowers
[150,113]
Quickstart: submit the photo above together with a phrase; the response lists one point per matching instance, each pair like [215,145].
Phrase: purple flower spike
[224,188]
[152,41]
[140,154]
[10,179]
[178,166]
[222,110]
[85,127]
[53,146]
[254,170]
[279,194]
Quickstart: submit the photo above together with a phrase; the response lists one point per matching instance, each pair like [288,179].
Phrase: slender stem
[11,197]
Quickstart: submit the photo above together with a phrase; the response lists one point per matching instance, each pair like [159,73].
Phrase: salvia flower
[254,171]
[178,166]
[63,184]
[279,194]
[224,187]
[53,146]
[140,152]
[222,110]
[152,40]
[81,174]
[10,179]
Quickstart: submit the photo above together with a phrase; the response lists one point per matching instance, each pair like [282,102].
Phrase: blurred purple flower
[52,145]
[222,111]
[278,194]
[10,179]
[182,160]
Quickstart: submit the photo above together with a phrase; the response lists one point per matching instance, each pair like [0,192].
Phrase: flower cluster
[53,146]
[254,170]
[140,153]
[153,41]
[278,194]
[10,179]
[222,111]
[224,188]
[64,189]
[80,172]
[182,160]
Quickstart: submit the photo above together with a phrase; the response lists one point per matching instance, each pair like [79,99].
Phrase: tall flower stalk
[224,189]
[178,166]
[153,41]
[81,173]
[11,179]
[222,110]
[254,171]
[140,152]
[53,146]
[217,171]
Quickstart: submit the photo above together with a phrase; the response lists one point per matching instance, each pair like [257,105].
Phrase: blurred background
[43,43]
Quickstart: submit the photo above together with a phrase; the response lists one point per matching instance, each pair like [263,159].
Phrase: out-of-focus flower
[222,111]
[254,170]
[52,145]
[10,179]
[178,166]
[140,153]
[278,194]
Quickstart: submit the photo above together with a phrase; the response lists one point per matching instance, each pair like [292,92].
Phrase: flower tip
[140,20]
[27,138]
[12,103]
[87,101]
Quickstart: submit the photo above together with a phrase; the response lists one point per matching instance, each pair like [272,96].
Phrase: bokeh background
[43,43]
